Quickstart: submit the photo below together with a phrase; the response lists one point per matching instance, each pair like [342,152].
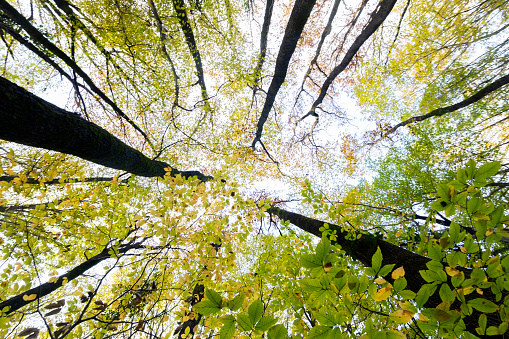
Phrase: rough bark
[298,18]
[29,120]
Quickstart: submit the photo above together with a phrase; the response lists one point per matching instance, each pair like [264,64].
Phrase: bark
[494,86]
[39,38]
[293,31]
[17,302]
[363,249]
[29,120]
[377,18]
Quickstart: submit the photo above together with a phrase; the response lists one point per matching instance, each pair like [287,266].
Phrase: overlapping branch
[298,18]
[377,18]
[39,38]
[185,25]
[29,120]
[494,86]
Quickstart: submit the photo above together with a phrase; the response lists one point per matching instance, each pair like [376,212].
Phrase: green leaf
[434,251]
[228,329]
[244,322]
[308,261]
[319,332]
[376,260]
[206,307]
[407,294]
[214,297]
[325,317]
[470,169]
[236,302]
[473,205]
[462,175]
[483,305]
[277,332]
[265,323]
[487,170]
[255,311]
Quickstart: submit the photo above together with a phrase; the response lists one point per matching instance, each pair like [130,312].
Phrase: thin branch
[263,44]
[185,25]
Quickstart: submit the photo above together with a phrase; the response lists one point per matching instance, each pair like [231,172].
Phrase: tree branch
[37,36]
[377,18]
[298,18]
[29,120]
[494,86]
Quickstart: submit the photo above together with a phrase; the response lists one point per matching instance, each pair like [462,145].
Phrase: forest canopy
[242,169]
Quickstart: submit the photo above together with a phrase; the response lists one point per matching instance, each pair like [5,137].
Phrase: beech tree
[131,212]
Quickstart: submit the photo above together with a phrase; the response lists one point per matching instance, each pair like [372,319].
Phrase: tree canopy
[304,169]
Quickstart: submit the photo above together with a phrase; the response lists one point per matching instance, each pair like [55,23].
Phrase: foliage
[413,241]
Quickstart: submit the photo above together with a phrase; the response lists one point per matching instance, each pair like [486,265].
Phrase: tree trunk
[29,120]
[363,249]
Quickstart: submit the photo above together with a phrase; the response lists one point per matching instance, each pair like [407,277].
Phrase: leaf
[277,332]
[56,304]
[55,311]
[236,302]
[319,332]
[228,329]
[308,261]
[437,314]
[265,323]
[244,322]
[487,170]
[434,251]
[206,307]
[28,331]
[255,311]
[376,260]
[214,297]
[398,273]
[402,316]
[483,305]
[383,293]
[30,297]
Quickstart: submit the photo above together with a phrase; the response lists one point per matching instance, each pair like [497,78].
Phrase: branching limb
[298,18]
[185,24]
[263,44]
[377,18]
[325,33]
[494,86]
[38,37]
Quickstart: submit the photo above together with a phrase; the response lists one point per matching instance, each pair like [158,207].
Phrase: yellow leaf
[398,273]
[402,316]
[380,281]
[463,250]
[30,297]
[423,318]
[383,293]
[452,271]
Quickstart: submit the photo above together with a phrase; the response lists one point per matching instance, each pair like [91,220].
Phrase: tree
[170,252]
